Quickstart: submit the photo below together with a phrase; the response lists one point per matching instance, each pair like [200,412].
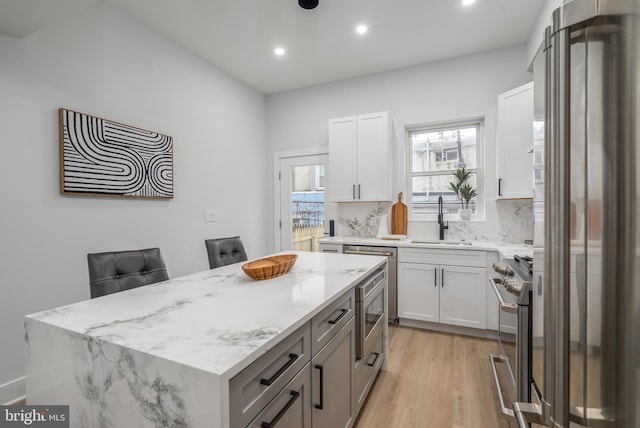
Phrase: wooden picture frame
[100,157]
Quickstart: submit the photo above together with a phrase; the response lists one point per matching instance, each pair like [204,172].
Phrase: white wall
[459,88]
[103,63]
[537,34]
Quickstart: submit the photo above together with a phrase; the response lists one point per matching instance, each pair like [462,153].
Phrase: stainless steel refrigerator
[586,288]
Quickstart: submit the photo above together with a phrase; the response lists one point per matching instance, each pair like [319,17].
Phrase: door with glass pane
[303,211]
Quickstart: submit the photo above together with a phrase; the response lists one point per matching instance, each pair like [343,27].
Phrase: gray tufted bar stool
[225,251]
[112,272]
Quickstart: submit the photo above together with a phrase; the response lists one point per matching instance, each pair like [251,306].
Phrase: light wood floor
[434,380]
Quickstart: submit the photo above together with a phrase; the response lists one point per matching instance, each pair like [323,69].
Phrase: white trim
[12,391]
[323,150]
[277,158]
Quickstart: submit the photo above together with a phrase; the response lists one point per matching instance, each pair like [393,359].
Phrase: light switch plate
[209,215]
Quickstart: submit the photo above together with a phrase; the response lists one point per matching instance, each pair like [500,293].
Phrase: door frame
[277,193]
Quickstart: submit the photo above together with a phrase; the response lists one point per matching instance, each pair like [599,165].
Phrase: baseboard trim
[445,328]
[21,401]
[13,392]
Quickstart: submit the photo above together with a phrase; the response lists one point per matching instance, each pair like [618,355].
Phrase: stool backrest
[116,271]
[225,251]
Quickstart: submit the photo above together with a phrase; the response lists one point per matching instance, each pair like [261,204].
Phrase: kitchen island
[164,354]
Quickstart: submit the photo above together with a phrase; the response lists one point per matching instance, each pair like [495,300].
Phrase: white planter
[464,213]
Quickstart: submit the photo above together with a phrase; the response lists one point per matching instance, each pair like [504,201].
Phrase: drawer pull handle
[274,421]
[276,375]
[373,363]
[342,314]
[321,405]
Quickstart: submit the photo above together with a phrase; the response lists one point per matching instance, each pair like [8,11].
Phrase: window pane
[443,150]
[425,192]
[307,202]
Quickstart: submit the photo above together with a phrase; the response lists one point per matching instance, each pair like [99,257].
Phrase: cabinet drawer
[367,368]
[331,248]
[328,322]
[254,387]
[443,256]
[291,408]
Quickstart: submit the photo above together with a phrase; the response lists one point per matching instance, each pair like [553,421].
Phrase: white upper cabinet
[360,158]
[514,141]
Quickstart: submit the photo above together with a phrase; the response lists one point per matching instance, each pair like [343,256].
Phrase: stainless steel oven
[392,261]
[369,311]
[512,287]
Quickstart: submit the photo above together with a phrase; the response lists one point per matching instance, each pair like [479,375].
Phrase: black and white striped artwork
[100,157]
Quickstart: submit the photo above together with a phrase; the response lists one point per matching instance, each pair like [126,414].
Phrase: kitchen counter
[504,249]
[162,355]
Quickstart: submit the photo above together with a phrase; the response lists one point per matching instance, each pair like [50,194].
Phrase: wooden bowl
[270,267]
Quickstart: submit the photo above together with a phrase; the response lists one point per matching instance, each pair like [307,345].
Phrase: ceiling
[239,36]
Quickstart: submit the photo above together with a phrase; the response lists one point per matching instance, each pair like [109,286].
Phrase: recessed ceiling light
[468,2]
[279,51]
[308,4]
[361,29]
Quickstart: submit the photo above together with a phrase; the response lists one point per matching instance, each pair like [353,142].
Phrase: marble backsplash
[509,221]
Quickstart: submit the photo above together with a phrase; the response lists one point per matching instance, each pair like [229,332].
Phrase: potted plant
[464,191]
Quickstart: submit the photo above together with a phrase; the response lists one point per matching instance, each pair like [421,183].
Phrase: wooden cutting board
[399,217]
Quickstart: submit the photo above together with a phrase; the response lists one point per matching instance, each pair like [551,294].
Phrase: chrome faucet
[441,224]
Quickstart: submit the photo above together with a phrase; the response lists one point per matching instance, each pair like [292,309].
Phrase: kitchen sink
[442,242]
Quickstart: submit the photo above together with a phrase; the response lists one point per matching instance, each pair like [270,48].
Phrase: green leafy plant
[466,193]
[463,190]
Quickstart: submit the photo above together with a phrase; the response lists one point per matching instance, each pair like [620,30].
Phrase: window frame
[320,178]
[479,122]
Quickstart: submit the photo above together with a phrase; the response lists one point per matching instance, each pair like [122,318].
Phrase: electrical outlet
[209,215]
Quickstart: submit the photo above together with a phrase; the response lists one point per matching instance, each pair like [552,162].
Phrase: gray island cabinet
[214,349]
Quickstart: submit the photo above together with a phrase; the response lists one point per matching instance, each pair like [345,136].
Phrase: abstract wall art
[104,158]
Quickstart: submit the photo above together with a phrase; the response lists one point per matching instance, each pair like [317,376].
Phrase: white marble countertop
[218,321]
[503,248]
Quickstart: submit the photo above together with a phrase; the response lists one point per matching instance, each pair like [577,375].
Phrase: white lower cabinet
[418,292]
[451,293]
[330,248]
[462,296]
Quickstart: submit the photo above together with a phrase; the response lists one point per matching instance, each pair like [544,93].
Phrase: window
[447,155]
[434,153]
[308,178]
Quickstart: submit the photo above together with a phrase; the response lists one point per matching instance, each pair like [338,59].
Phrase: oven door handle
[506,307]
[527,414]
[369,253]
[502,359]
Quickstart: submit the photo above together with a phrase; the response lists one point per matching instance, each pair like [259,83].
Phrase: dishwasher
[392,279]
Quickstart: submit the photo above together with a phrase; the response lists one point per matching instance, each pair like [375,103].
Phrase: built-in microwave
[369,310]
